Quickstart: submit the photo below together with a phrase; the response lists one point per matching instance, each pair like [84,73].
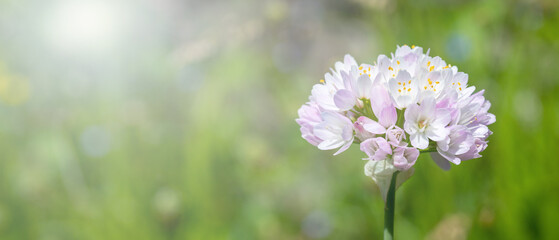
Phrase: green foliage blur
[175,120]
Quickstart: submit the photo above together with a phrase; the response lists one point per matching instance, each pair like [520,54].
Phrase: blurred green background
[168,119]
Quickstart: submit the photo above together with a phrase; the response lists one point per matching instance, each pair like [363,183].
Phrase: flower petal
[419,140]
[344,147]
[373,127]
[437,133]
[364,86]
[344,99]
[330,144]
[440,161]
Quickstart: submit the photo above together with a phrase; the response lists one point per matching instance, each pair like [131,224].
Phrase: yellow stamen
[409,89]
[425,87]
[390,68]
[437,82]
[431,69]
[412,46]
[398,62]
[399,83]
[361,68]
[399,90]
[428,63]
[409,82]
[321,80]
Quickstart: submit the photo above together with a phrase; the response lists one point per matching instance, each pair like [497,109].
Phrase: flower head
[396,107]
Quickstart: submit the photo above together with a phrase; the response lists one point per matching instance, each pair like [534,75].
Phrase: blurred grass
[157,142]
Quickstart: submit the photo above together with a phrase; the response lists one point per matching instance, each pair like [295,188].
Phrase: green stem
[389,209]
[428,150]
[400,119]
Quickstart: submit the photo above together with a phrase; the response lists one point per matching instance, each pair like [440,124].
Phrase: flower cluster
[397,108]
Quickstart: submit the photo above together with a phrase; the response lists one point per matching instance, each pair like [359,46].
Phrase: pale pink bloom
[384,111]
[335,130]
[382,106]
[309,116]
[376,148]
[361,103]
[457,143]
[395,135]
[404,157]
[360,131]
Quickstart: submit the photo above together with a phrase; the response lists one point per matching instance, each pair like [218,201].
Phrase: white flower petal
[419,141]
[364,86]
[330,144]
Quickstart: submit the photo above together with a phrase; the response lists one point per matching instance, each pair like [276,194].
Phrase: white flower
[403,89]
[426,122]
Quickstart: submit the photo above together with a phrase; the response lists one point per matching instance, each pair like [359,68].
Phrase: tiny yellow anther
[398,62]
[390,68]
[431,69]
[321,80]
[412,46]
[361,68]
